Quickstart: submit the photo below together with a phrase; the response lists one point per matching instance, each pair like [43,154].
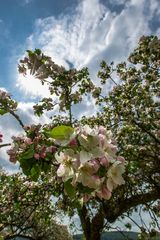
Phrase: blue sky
[82,32]
[17,19]
[73,32]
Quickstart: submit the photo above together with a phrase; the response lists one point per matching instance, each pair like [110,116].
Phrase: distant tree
[26,209]
[88,161]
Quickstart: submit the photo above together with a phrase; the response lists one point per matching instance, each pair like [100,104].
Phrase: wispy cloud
[91,33]
[25,2]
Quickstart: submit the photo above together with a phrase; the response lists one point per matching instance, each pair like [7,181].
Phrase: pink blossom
[43,154]
[101,140]
[36,156]
[121,159]
[12,155]
[73,142]
[28,141]
[104,193]
[112,147]
[3,94]
[102,130]
[51,149]
[104,161]
[95,165]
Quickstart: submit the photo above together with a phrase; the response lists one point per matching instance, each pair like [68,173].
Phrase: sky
[75,33]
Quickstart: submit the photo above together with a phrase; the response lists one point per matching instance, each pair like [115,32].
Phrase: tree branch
[85,221]
[5,145]
[123,205]
[16,117]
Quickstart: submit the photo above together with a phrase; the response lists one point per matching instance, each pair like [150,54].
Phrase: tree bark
[92,229]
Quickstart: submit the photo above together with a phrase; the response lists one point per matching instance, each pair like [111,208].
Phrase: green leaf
[2,111]
[37,51]
[84,189]
[70,190]
[26,165]
[61,132]
[29,153]
[30,53]
[45,167]
[102,171]
[35,172]
[78,203]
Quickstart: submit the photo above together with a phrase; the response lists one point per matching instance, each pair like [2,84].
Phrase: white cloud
[72,37]
[93,32]
[25,2]
[31,86]
[117,2]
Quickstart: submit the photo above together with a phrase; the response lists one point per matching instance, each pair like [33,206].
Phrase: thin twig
[5,145]
[113,80]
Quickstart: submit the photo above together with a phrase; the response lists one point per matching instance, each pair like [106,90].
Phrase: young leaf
[35,171]
[26,165]
[29,153]
[61,132]
[2,111]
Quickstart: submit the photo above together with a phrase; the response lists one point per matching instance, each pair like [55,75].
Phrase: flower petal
[85,156]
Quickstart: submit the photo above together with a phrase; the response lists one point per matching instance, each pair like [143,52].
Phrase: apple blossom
[66,167]
[115,175]
[84,155]
[104,193]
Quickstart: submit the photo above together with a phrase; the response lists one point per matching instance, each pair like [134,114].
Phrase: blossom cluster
[3,94]
[6,103]
[32,145]
[89,159]
[85,158]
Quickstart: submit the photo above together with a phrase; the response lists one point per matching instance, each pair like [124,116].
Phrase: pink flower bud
[51,149]
[95,165]
[36,156]
[101,140]
[112,147]
[43,155]
[73,142]
[104,161]
[104,193]
[28,141]
[102,130]
[121,159]
[13,159]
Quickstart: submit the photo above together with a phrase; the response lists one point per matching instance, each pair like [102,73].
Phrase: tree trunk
[92,228]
